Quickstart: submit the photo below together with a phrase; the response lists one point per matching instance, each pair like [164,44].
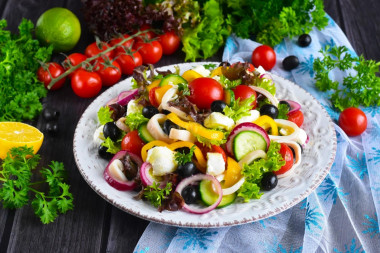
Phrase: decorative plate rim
[101,192]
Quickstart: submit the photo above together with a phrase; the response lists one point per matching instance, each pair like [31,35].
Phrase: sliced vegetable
[247,141]
[146,175]
[194,179]
[172,79]
[233,172]
[209,197]
[294,106]
[267,94]
[126,96]
[267,122]
[155,129]
[144,133]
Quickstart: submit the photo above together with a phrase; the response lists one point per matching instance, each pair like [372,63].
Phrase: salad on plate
[199,140]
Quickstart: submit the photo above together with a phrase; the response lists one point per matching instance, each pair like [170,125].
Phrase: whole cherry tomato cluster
[107,69]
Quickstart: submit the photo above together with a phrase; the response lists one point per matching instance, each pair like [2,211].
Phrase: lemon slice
[16,134]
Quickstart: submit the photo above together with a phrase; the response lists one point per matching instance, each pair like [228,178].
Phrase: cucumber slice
[172,79]
[144,133]
[229,97]
[246,142]
[209,197]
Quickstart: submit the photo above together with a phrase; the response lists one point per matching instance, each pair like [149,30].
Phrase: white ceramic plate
[317,159]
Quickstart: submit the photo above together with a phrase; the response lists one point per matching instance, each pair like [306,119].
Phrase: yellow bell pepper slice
[197,152]
[232,174]
[190,75]
[149,145]
[198,129]
[267,122]
[160,92]
[217,72]
[154,84]
[176,120]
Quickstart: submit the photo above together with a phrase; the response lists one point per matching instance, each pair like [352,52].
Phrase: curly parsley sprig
[182,157]
[155,194]
[16,185]
[363,88]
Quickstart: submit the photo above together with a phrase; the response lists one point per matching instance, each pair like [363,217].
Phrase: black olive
[294,153]
[190,194]
[187,170]
[50,114]
[112,131]
[184,150]
[168,125]
[290,62]
[304,40]
[269,181]
[102,151]
[149,111]
[52,127]
[286,103]
[224,64]
[270,110]
[218,106]
[166,112]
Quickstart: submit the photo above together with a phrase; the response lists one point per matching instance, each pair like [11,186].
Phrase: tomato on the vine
[170,42]
[287,156]
[145,35]
[72,60]
[244,92]
[55,70]
[110,73]
[151,52]
[264,56]
[86,84]
[353,121]
[96,48]
[296,117]
[126,45]
[129,62]
[132,143]
[205,90]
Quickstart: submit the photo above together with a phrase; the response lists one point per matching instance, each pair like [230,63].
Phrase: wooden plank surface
[95,225]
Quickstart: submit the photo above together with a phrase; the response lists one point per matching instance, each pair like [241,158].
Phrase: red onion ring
[294,106]
[126,96]
[187,181]
[146,178]
[267,76]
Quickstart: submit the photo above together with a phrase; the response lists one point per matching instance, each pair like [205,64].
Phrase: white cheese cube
[162,160]
[301,137]
[219,120]
[254,115]
[134,107]
[200,69]
[98,137]
[215,164]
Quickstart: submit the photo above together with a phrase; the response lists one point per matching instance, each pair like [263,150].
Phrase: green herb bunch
[17,188]
[362,88]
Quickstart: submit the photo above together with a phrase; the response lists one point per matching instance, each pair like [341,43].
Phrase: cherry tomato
[128,63]
[353,121]
[244,92]
[55,70]
[73,60]
[146,35]
[132,143]
[169,42]
[110,73]
[127,44]
[86,84]
[287,155]
[151,52]
[296,117]
[205,90]
[152,97]
[94,49]
[264,56]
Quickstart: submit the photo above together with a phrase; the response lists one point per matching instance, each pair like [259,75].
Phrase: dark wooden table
[95,225]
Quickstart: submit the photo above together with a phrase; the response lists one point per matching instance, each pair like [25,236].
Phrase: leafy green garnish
[363,88]
[183,158]
[104,115]
[184,89]
[210,66]
[239,109]
[19,61]
[253,172]
[155,194]
[134,120]
[266,84]
[283,111]
[112,147]
[227,84]
[16,186]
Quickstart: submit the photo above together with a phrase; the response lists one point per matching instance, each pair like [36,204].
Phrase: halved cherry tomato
[296,117]
[132,143]
[287,155]
[152,97]
[243,92]
[353,121]
[205,90]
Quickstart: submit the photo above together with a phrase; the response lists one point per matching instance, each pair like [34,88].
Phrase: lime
[58,27]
